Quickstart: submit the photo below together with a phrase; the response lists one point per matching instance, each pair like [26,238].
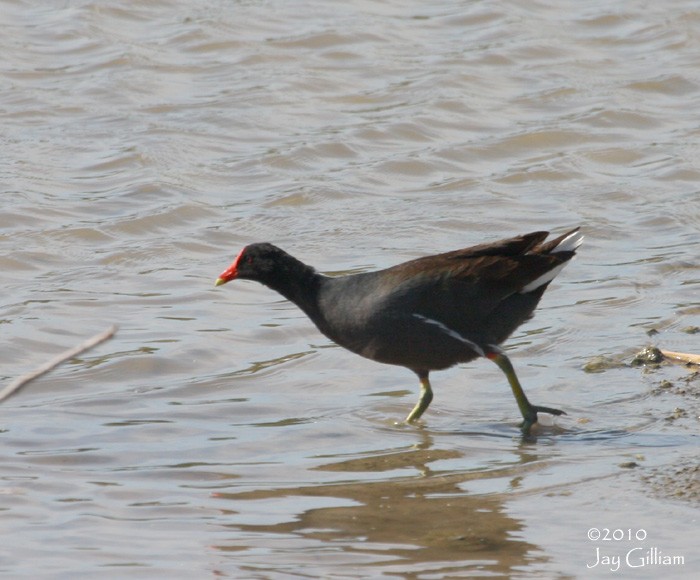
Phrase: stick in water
[691,359]
[15,386]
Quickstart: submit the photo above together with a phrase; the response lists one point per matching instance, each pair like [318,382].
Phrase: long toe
[549,410]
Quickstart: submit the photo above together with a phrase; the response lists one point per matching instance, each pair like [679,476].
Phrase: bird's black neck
[298,283]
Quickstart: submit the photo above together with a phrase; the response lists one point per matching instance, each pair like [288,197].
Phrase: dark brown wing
[489,270]
[476,291]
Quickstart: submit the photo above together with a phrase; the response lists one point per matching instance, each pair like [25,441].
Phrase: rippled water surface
[219,434]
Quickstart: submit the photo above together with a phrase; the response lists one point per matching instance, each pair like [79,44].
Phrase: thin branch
[16,385]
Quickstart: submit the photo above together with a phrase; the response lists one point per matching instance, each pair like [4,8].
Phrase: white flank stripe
[568,244]
[453,333]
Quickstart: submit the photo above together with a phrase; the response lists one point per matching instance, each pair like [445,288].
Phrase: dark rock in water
[648,355]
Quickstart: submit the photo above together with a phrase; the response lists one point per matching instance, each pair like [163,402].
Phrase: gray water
[219,434]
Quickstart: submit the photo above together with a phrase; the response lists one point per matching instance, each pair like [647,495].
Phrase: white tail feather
[568,244]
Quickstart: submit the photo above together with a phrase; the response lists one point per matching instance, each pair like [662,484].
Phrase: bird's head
[260,262]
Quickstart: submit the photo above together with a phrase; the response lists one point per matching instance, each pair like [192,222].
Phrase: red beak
[231,273]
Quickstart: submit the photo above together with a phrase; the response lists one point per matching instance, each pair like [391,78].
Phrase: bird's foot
[531,417]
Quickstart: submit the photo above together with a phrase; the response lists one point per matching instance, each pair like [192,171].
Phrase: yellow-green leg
[426,396]
[528,411]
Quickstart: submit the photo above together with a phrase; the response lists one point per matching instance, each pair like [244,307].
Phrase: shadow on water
[422,523]
[432,522]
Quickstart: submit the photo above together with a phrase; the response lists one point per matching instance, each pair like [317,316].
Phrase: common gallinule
[426,314]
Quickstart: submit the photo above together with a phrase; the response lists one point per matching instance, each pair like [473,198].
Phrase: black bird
[426,314]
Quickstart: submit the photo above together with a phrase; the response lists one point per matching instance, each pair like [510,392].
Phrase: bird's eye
[249,259]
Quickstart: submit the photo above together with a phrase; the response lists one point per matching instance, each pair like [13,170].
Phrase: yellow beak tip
[219,282]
